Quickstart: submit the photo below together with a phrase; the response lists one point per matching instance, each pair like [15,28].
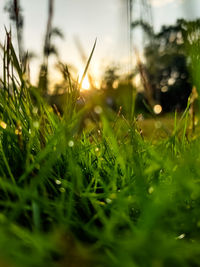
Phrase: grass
[162,127]
[101,196]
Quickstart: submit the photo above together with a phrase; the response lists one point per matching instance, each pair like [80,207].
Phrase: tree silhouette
[167,67]
[14,9]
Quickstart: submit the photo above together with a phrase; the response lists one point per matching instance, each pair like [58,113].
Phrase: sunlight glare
[85,84]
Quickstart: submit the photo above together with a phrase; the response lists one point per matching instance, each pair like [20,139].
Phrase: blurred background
[139,47]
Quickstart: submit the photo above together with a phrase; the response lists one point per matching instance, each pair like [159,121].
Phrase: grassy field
[162,127]
[101,196]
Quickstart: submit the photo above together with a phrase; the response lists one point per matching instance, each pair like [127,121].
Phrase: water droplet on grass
[18,132]
[36,124]
[108,200]
[62,190]
[35,110]
[180,237]
[71,143]
[98,109]
[150,190]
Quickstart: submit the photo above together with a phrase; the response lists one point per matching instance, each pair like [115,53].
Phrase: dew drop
[98,109]
[58,182]
[71,143]
[150,190]
[108,200]
[36,124]
[62,190]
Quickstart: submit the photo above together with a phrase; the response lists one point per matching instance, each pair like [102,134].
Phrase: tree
[14,9]
[191,35]
[48,50]
[167,67]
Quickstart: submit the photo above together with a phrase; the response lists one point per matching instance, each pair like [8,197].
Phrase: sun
[85,84]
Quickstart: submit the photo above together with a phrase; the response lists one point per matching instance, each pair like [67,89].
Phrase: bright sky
[88,19]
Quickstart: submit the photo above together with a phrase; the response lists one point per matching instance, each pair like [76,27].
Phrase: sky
[89,19]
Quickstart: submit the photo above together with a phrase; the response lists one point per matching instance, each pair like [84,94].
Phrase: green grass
[101,196]
[162,127]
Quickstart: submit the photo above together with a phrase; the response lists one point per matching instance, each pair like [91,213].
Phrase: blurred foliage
[191,35]
[49,49]
[167,67]
[15,12]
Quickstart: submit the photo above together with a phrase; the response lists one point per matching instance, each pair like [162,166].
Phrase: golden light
[97,84]
[85,84]
[137,80]
[3,125]
[138,83]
